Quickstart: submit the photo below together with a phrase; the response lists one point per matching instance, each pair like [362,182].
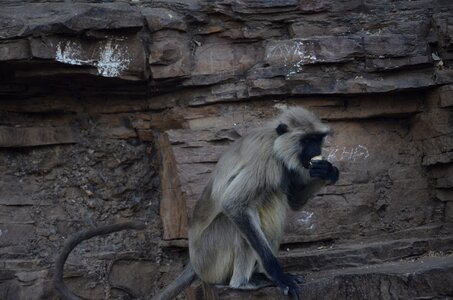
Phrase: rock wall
[119,110]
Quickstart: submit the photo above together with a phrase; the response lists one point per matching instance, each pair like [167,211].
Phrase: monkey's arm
[298,191]
[299,194]
[247,221]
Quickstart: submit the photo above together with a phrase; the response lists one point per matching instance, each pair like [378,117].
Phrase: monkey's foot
[256,282]
[297,278]
[260,280]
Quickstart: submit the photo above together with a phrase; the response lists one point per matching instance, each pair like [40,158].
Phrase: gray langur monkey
[238,222]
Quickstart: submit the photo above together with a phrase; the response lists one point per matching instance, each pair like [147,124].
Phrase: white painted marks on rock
[109,57]
[70,53]
[306,219]
[293,55]
[113,60]
[354,153]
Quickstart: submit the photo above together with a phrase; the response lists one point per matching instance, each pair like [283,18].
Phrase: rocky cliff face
[119,110]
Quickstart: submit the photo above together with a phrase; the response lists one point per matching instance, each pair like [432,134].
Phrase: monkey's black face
[311,144]
[311,147]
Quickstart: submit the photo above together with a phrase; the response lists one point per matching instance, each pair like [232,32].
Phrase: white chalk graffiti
[358,152]
[112,60]
[70,53]
[305,219]
[295,55]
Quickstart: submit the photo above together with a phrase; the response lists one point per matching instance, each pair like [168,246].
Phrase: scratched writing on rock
[294,55]
[354,153]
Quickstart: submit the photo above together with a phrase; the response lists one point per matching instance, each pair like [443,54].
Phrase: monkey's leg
[247,221]
[260,280]
[244,264]
[212,251]
[210,291]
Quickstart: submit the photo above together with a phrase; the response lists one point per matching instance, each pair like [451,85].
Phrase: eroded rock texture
[118,110]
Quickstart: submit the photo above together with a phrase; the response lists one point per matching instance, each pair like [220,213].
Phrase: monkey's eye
[281,129]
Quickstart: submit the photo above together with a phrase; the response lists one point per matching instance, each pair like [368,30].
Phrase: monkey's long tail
[178,285]
[77,239]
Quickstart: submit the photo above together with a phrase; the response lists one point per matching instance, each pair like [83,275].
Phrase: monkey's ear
[281,129]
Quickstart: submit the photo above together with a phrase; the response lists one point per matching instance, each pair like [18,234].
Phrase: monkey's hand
[325,170]
[288,284]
